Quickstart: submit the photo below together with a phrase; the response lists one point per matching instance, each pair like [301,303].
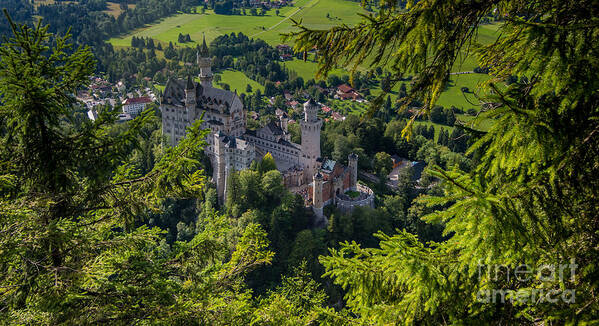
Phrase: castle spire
[190,94]
[205,64]
[189,84]
[204,49]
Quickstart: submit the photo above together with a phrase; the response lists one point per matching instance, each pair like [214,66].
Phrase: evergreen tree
[402,91]
[386,84]
[431,132]
[449,117]
[532,198]
[270,89]
[442,140]
[71,199]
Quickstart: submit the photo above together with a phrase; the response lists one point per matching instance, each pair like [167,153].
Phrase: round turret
[318,176]
[352,160]
[310,110]
[317,202]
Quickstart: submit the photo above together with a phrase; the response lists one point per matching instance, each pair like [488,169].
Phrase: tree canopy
[531,199]
[72,250]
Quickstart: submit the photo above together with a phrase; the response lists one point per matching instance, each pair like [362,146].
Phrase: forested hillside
[529,204]
[21,11]
[102,222]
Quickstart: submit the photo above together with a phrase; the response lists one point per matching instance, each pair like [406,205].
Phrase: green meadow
[238,81]
[268,27]
[316,14]
[307,69]
[437,126]
[453,94]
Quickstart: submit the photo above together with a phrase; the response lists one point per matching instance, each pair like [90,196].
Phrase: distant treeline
[88,22]
[255,58]
[90,25]
[19,10]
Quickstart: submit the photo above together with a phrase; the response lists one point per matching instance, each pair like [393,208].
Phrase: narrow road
[284,19]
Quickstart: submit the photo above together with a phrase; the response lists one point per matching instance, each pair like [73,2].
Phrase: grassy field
[311,13]
[453,93]
[267,27]
[307,69]
[349,107]
[237,80]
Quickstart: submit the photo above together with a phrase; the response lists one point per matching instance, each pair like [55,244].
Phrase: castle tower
[284,121]
[190,94]
[352,160]
[205,64]
[317,203]
[310,127]
[219,174]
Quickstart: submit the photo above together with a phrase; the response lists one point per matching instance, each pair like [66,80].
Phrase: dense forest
[90,25]
[21,11]
[103,223]
[528,203]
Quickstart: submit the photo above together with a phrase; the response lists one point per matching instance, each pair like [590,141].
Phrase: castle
[232,148]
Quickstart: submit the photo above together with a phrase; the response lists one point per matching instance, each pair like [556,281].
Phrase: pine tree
[431,132]
[532,198]
[449,117]
[442,140]
[387,109]
[72,250]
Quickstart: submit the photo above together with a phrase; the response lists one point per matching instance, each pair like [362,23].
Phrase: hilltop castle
[232,148]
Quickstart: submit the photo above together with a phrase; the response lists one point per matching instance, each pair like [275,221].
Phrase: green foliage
[297,301]
[383,163]
[272,185]
[531,198]
[72,197]
[267,164]
[352,194]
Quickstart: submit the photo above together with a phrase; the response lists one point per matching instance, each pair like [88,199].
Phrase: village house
[346,92]
[134,106]
[336,116]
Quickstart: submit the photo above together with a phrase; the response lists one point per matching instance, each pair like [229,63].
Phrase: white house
[134,106]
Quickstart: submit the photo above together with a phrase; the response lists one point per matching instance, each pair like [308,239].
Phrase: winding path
[286,18]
